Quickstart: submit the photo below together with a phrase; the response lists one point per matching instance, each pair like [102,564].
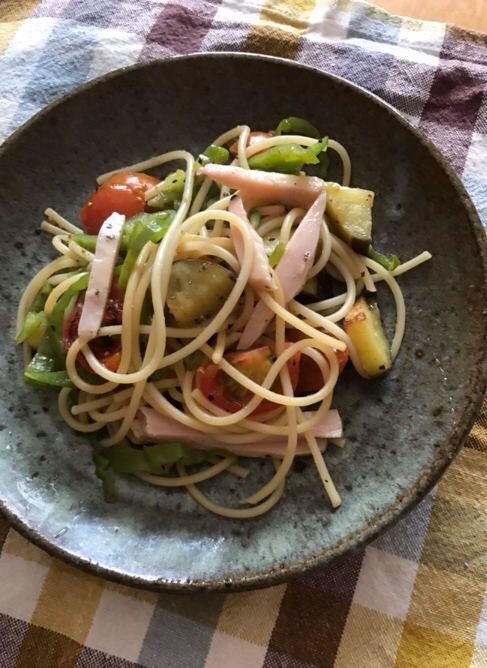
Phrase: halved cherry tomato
[229,395]
[106,349]
[310,376]
[254,138]
[122,193]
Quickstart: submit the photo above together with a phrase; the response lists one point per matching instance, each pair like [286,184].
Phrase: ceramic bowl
[402,431]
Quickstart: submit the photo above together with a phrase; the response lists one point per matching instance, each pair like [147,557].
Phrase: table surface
[471,14]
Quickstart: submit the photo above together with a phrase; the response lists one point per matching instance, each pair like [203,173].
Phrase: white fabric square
[328,24]
[120,625]
[226,650]
[385,583]
[476,161]
[116,48]
[21,583]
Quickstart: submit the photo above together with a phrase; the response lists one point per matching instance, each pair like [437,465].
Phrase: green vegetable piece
[88,241]
[154,459]
[103,471]
[389,263]
[41,297]
[47,366]
[195,360]
[276,255]
[218,155]
[148,227]
[34,328]
[196,290]
[43,379]
[56,319]
[350,214]
[287,158]
[172,191]
[296,126]
[254,219]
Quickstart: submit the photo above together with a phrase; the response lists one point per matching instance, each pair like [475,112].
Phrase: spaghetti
[149,366]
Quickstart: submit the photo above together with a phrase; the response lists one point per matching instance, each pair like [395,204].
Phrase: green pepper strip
[88,241]
[288,158]
[102,471]
[155,458]
[218,155]
[149,227]
[296,126]
[195,360]
[46,368]
[171,193]
[276,255]
[34,326]
[254,219]
[389,263]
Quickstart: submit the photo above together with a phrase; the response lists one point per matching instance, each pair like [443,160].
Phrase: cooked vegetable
[216,154]
[389,263]
[47,367]
[276,255]
[197,290]
[364,326]
[157,459]
[350,212]
[122,193]
[172,192]
[287,158]
[226,393]
[296,126]
[34,328]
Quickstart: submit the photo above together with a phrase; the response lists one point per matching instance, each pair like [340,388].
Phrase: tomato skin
[254,138]
[310,376]
[106,349]
[122,193]
[210,380]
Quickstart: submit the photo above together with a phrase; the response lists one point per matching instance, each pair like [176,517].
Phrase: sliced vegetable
[88,241]
[254,219]
[103,471]
[350,212]
[41,297]
[228,394]
[310,376]
[107,349]
[289,190]
[260,277]
[287,158]
[148,227]
[157,459]
[276,255]
[197,290]
[216,154]
[122,193]
[193,361]
[47,366]
[56,319]
[364,326]
[389,263]
[100,280]
[254,138]
[34,328]
[296,126]
[172,192]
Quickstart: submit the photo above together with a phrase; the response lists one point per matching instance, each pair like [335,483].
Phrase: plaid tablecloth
[417,597]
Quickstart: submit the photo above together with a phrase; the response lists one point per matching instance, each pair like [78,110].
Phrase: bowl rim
[405,502]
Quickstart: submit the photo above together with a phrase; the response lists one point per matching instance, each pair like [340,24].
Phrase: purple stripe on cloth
[180,28]
[313,614]
[407,537]
[135,17]
[91,12]
[461,45]
[408,85]
[92,658]
[12,633]
[450,115]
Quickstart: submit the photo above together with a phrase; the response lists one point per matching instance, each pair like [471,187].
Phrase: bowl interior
[401,430]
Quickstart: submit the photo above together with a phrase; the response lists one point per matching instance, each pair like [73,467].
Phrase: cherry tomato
[106,349]
[310,376]
[229,395]
[254,138]
[122,193]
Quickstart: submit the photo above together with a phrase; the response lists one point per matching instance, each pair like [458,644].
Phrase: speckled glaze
[402,431]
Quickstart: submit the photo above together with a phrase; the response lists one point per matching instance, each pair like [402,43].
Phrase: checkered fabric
[415,598]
